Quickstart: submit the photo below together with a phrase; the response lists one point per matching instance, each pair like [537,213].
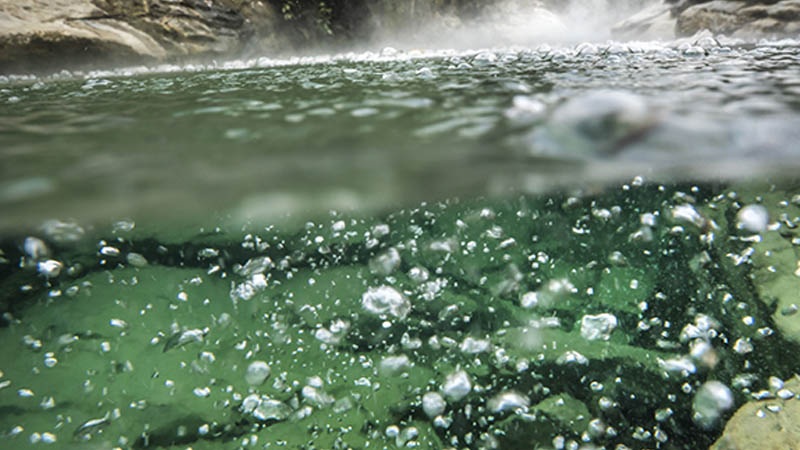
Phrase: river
[566,245]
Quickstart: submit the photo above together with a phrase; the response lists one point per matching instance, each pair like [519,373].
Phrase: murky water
[559,247]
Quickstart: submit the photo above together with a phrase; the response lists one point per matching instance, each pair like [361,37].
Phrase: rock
[565,410]
[48,35]
[741,18]
[555,414]
[775,280]
[654,22]
[719,16]
[730,17]
[770,424]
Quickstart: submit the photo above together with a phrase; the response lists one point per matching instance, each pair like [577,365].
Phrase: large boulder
[730,17]
[47,35]
[719,16]
[741,17]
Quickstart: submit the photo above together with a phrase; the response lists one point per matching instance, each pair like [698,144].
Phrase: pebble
[682,364]
[270,409]
[385,263]
[109,251]
[775,383]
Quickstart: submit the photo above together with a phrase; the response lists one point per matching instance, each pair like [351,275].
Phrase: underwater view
[536,245]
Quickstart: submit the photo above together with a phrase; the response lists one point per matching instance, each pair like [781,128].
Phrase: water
[403,126]
[503,248]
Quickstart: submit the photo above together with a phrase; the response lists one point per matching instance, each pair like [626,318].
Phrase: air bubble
[257,372]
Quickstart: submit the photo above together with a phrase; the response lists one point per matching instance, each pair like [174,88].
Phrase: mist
[512,23]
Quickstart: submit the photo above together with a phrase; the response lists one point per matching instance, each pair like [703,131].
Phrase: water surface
[589,246]
[365,128]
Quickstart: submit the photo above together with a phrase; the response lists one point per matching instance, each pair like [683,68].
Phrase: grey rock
[49,35]
[654,22]
[741,18]
[730,17]
[719,16]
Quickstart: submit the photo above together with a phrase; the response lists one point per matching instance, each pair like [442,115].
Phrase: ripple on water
[499,99]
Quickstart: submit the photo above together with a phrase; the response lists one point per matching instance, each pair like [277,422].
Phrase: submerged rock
[775,263]
[769,424]
[624,344]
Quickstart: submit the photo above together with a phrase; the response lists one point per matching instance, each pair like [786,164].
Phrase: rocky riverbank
[41,36]
[728,17]
[48,35]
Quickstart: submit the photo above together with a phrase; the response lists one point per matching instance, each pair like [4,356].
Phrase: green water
[589,246]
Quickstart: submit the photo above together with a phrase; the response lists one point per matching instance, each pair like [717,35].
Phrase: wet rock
[464,367]
[47,35]
[729,17]
[556,414]
[769,424]
[741,18]
[782,17]
[654,22]
[573,349]
[776,281]
[719,16]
